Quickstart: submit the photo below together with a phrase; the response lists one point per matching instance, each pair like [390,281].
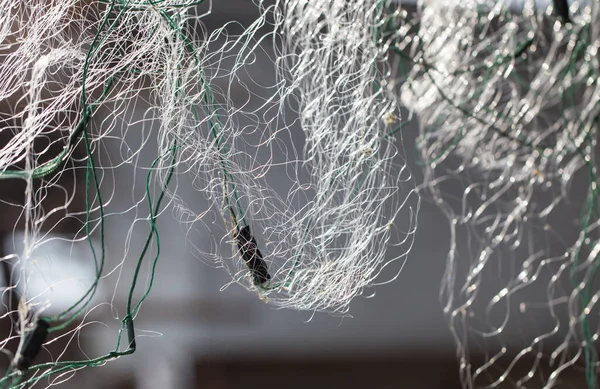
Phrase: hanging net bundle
[138,100]
[507,100]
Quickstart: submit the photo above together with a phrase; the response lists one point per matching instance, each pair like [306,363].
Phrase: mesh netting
[507,103]
[90,89]
[507,99]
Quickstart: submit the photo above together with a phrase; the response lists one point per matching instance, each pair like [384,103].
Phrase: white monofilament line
[324,253]
[88,66]
[507,103]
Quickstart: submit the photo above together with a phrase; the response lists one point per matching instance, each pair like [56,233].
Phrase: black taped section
[561,7]
[130,333]
[32,344]
[252,256]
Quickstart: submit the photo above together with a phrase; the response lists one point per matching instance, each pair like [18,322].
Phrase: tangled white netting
[81,79]
[507,98]
[508,105]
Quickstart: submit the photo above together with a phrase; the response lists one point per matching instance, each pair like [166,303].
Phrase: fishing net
[298,186]
[507,99]
[106,100]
